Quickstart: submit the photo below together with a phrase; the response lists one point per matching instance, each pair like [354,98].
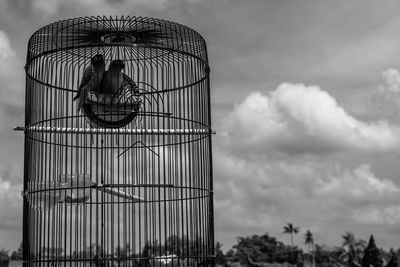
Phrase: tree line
[254,251]
[265,250]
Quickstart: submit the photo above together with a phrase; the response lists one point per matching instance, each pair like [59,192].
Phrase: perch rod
[49,129]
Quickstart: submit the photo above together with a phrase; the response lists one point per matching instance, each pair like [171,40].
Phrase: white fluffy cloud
[304,183]
[296,118]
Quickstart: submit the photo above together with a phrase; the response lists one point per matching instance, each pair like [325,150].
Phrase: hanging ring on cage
[118,37]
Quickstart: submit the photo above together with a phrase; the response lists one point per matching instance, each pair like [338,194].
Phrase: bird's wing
[86,77]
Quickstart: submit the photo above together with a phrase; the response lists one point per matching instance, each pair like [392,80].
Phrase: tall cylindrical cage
[118,164]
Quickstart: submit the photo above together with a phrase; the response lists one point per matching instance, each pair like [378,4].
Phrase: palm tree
[309,241]
[291,229]
[353,248]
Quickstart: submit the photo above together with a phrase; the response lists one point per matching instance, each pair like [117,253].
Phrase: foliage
[327,257]
[50,252]
[124,251]
[253,251]
[219,255]
[291,229]
[174,245]
[261,249]
[309,241]
[17,255]
[393,261]
[353,249]
[4,257]
[372,255]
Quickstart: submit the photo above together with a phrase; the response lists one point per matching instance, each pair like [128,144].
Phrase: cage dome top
[138,38]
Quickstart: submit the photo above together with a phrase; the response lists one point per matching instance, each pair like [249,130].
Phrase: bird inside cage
[91,79]
[108,98]
[117,88]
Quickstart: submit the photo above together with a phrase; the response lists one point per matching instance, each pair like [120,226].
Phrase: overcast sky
[305,102]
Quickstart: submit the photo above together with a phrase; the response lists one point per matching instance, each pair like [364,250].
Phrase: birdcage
[118,163]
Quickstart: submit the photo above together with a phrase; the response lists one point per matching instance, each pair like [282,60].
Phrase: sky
[305,103]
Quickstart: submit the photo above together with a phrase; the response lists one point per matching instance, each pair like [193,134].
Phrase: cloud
[10,213]
[388,216]
[296,118]
[94,7]
[6,50]
[7,58]
[391,78]
[12,82]
[359,185]
[10,204]
[255,197]
[48,8]
[385,101]
[283,167]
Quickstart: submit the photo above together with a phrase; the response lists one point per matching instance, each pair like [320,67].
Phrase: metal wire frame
[136,189]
